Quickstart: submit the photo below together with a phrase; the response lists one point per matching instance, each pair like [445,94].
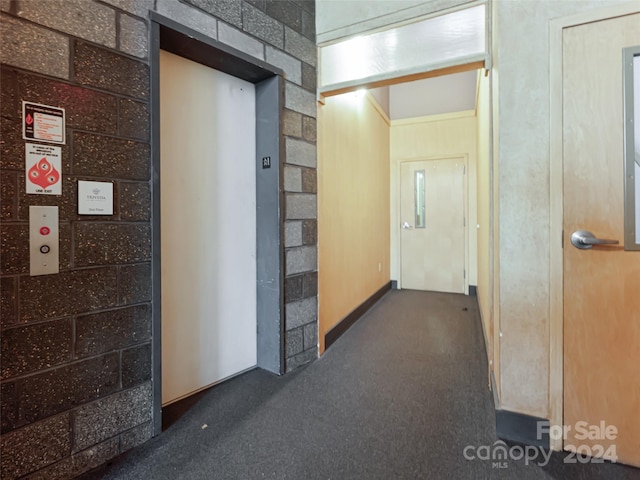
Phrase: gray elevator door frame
[180,40]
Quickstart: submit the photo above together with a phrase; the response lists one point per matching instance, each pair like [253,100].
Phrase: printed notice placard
[42,122]
[43,171]
[95,198]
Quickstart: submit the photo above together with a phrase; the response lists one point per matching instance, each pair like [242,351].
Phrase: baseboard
[338,330]
[494,390]
[521,428]
[473,291]
[394,285]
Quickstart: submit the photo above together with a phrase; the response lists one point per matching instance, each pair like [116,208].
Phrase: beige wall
[483,118]
[523,109]
[432,137]
[353,209]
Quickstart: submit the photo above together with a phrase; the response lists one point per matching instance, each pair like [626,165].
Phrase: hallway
[399,396]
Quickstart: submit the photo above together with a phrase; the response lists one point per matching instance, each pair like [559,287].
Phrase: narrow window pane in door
[631,59]
[419,198]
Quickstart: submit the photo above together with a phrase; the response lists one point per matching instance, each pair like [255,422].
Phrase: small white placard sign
[95,198]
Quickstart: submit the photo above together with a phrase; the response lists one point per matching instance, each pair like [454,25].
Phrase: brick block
[135,284]
[301,259]
[310,284]
[286,12]
[310,335]
[291,66]
[8,301]
[293,234]
[109,416]
[134,119]
[136,7]
[34,48]
[85,109]
[112,158]
[67,293]
[293,288]
[136,365]
[111,243]
[35,446]
[66,387]
[300,47]
[292,179]
[308,5]
[8,195]
[110,71]
[240,41]
[294,342]
[228,10]
[292,124]
[81,462]
[113,330]
[301,205]
[136,436]
[133,36]
[300,153]
[301,359]
[189,16]
[262,26]
[309,129]
[9,405]
[260,4]
[9,107]
[75,17]
[309,180]
[135,201]
[300,100]
[310,232]
[301,312]
[309,79]
[309,26]
[34,347]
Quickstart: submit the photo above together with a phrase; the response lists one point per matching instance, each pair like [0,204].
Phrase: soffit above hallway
[337,19]
[433,96]
[449,42]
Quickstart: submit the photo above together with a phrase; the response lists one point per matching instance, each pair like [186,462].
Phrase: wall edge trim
[521,428]
[347,322]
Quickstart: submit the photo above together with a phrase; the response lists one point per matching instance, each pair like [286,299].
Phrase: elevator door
[208,226]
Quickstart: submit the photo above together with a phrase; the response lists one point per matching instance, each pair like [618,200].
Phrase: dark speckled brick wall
[76,345]
[75,348]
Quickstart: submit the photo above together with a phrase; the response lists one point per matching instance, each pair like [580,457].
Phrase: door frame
[178,39]
[465,201]
[556,191]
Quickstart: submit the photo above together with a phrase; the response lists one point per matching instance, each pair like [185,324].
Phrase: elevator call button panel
[44,248]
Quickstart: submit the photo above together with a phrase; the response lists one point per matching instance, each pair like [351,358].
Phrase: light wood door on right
[432,233]
[601,283]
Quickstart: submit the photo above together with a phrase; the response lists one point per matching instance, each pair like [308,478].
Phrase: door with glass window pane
[432,230]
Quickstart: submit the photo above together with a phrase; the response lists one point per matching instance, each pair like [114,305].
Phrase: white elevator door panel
[208,226]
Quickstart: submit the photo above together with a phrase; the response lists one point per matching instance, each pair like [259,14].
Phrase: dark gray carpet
[399,396]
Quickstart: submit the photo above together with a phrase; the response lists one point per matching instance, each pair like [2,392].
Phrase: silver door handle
[406,226]
[584,240]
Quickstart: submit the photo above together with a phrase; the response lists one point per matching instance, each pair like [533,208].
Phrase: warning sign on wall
[43,169]
[42,122]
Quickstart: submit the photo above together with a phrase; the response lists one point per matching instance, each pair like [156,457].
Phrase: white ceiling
[432,96]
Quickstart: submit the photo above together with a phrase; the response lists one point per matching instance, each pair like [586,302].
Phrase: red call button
[45,231]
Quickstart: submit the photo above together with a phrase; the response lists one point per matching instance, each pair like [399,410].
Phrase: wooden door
[432,215]
[208,226]
[601,284]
